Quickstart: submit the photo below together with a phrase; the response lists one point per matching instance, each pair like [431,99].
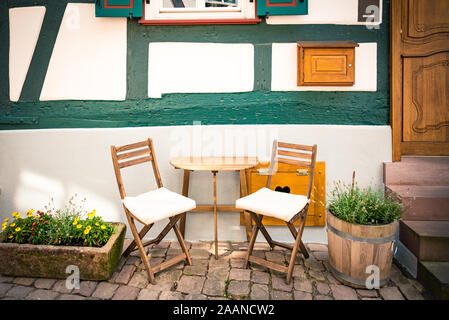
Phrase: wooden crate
[287,175]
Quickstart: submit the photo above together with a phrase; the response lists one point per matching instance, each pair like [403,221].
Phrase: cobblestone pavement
[213,279]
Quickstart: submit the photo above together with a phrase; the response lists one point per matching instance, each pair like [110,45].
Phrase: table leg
[185,193]
[215,213]
[243,193]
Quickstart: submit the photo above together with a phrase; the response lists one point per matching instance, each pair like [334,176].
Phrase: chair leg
[264,231]
[251,245]
[182,243]
[133,244]
[293,231]
[292,258]
[300,231]
[143,254]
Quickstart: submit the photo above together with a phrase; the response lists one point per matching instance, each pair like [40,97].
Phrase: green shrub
[367,206]
[71,226]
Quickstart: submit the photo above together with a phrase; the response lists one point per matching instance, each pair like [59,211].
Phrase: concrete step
[434,276]
[422,202]
[427,240]
[420,171]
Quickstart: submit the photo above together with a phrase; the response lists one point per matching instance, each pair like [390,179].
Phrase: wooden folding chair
[285,206]
[150,207]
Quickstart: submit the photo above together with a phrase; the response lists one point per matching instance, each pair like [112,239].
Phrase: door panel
[426,99]
[420,77]
[427,17]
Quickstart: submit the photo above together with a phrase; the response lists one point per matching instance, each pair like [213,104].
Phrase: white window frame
[155,11]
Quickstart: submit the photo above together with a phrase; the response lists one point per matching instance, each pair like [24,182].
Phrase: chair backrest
[295,154]
[130,155]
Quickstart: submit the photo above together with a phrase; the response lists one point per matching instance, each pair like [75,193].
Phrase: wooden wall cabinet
[288,178]
[326,63]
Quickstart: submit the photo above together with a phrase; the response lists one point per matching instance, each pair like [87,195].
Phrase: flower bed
[44,244]
[64,227]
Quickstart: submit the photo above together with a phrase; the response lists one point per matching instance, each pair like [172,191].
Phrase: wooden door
[420,77]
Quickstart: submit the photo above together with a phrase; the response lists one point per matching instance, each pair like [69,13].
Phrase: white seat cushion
[271,203]
[157,205]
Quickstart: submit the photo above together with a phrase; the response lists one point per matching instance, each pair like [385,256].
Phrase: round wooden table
[215,164]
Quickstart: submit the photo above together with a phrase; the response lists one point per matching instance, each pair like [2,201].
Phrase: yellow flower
[86,231]
[10,237]
[37,216]
[97,224]
[30,213]
[91,215]
[103,226]
[75,222]
[18,229]
[3,227]
[79,226]
[88,228]
[6,219]
[12,224]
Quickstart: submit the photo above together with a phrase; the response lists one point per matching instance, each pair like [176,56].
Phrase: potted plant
[45,243]
[361,229]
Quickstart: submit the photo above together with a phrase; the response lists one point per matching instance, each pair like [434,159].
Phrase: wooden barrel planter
[354,247]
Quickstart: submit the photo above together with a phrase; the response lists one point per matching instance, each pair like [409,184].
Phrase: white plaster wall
[327,12]
[24,28]
[39,164]
[176,67]
[284,69]
[89,57]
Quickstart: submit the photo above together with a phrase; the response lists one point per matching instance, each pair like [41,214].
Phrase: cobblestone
[208,278]
[126,293]
[259,292]
[260,277]
[146,294]
[61,286]
[391,293]
[240,274]
[214,287]
[190,284]
[341,292]
[24,281]
[19,292]
[86,288]
[301,295]
[238,289]
[105,290]
[42,294]
[44,283]
[125,275]
[303,285]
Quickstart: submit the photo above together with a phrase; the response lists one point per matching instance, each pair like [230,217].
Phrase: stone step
[434,276]
[427,240]
[422,202]
[433,171]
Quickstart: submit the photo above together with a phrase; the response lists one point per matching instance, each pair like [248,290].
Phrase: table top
[214,163]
